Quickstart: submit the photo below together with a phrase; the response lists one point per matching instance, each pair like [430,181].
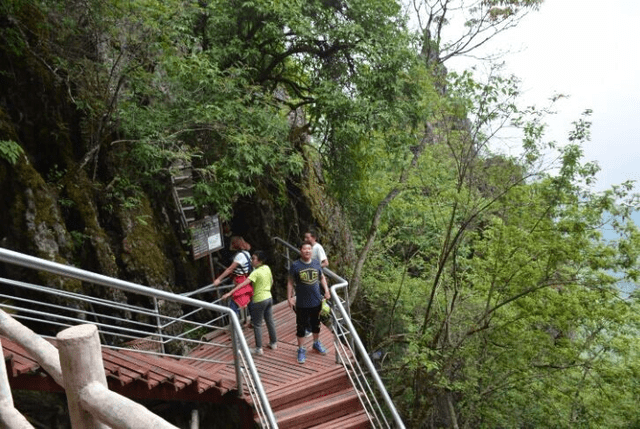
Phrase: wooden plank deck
[316,393]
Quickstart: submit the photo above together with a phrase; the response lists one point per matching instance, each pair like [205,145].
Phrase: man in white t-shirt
[317,249]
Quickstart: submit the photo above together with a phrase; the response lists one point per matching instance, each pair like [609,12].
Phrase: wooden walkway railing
[317,393]
[283,393]
[77,365]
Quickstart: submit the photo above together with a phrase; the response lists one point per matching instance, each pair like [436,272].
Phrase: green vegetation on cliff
[481,280]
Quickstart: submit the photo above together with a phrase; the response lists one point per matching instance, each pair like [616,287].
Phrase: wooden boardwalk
[316,394]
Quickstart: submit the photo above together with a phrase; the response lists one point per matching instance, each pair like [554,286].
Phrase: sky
[587,50]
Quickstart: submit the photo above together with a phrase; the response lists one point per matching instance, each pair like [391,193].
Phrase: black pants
[307,317]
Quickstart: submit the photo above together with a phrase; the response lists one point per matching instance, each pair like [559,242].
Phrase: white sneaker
[257,351]
[273,346]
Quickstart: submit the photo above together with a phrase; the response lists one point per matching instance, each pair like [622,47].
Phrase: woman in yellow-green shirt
[261,306]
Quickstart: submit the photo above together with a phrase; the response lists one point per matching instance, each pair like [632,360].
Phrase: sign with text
[206,237]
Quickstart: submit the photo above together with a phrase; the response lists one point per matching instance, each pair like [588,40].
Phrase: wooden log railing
[246,375]
[9,417]
[77,366]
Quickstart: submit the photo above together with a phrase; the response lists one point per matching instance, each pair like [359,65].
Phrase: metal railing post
[336,335]
[288,260]
[195,419]
[236,359]
[158,324]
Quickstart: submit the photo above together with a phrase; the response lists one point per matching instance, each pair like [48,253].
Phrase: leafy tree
[215,83]
[474,24]
[504,280]
[237,74]
[495,289]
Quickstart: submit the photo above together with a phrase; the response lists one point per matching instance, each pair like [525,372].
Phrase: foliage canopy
[485,279]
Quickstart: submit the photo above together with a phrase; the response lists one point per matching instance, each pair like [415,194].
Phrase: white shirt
[317,253]
[243,259]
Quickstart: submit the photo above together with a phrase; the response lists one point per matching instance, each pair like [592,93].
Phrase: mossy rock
[142,247]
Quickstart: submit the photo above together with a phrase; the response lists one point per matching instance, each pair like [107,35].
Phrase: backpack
[245,253]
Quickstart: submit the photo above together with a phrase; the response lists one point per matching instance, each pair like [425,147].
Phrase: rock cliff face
[63,196]
[70,221]
[59,206]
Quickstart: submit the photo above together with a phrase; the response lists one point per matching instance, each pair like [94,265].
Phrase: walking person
[262,302]
[307,276]
[239,269]
[317,253]
[317,249]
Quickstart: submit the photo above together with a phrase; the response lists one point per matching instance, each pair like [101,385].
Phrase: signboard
[206,237]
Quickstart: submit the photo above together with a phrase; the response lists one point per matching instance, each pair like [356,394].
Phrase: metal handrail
[243,361]
[341,285]
[133,333]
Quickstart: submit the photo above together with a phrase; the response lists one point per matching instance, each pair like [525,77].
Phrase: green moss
[79,189]
[37,224]
[143,244]
[38,204]
[7,131]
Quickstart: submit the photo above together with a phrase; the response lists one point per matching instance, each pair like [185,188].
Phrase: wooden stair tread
[356,420]
[307,388]
[319,410]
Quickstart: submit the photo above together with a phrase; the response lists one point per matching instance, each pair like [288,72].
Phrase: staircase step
[358,420]
[319,410]
[309,388]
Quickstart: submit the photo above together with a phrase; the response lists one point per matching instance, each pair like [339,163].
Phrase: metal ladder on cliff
[182,186]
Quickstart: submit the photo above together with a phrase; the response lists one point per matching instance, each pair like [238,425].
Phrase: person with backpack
[239,269]
[262,302]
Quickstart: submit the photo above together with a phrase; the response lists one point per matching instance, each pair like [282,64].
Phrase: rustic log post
[9,416]
[91,403]
[81,362]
